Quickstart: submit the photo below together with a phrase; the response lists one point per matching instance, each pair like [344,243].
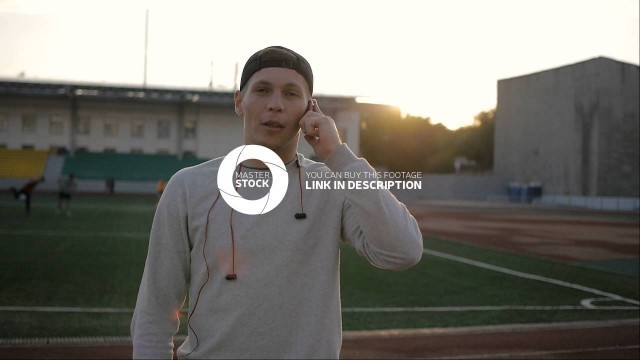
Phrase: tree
[414,144]
[476,141]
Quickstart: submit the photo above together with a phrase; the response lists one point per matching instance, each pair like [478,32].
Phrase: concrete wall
[219,132]
[619,133]
[453,187]
[574,129]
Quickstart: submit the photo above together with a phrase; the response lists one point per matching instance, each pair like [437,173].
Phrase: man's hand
[319,130]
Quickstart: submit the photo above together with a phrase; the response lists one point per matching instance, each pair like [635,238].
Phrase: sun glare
[451,115]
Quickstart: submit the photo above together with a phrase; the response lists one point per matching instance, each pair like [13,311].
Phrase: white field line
[73,341]
[484,308]
[74,233]
[538,354]
[107,310]
[585,304]
[528,276]
[350,335]
[76,206]
[588,303]
[66,309]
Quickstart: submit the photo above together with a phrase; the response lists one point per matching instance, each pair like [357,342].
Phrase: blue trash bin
[514,191]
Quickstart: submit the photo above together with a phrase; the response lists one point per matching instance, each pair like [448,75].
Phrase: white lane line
[537,354]
[65,309]
[74,233]
[528,276]
[484,308]
[108,310]
[115,207]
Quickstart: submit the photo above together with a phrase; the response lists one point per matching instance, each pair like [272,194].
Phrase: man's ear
[237,99]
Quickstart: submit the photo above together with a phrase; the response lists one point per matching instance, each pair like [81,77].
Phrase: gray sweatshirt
[285,302]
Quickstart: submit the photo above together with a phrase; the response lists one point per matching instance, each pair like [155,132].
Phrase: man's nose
[275,102]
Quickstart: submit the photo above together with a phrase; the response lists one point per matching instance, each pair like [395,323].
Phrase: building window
[137,128]
[57,150]
[136,151]
[163,152]
[84,125]
[56,125]
[109,151]
[4,122]
[28,147]
[164,129]
[111,127]
[29,123]
[190,129]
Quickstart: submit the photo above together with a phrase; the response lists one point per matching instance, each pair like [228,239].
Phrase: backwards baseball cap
[277,56]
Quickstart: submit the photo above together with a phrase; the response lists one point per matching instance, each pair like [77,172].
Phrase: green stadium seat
[133,167]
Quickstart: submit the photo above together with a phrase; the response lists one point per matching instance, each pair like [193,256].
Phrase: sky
[437,59]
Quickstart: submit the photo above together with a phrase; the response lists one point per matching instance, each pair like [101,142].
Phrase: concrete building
[574,129]
[98,118]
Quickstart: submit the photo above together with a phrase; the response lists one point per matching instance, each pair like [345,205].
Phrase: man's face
[272,103]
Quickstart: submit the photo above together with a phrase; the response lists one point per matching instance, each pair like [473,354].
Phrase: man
[110,184]
[265,286]
[160,185]
[26,191]
[67,187]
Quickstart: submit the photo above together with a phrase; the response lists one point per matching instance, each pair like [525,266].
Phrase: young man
[26,191]
[67,188]
[160,185]
[265,286]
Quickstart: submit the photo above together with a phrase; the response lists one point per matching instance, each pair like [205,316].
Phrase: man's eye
[292,93]
[261,90]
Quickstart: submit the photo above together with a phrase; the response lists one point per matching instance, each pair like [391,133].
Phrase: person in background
[67,188]
[110,184]
[26,191]
[160,187]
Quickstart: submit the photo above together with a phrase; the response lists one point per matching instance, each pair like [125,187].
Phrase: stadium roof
[120,93]
[12,88]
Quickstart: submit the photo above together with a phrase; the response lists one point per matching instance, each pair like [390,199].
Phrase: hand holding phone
[319,130]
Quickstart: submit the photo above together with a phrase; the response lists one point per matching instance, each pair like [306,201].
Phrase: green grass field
[94,259]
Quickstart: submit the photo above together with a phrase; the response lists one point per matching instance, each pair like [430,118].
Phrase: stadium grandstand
[134,173]
[134,167]
[133,135]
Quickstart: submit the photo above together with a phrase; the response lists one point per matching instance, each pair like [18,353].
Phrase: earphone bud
[231,276]
[300,216]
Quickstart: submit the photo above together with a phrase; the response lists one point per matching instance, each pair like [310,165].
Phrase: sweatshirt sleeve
[379,226]
[165,279]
